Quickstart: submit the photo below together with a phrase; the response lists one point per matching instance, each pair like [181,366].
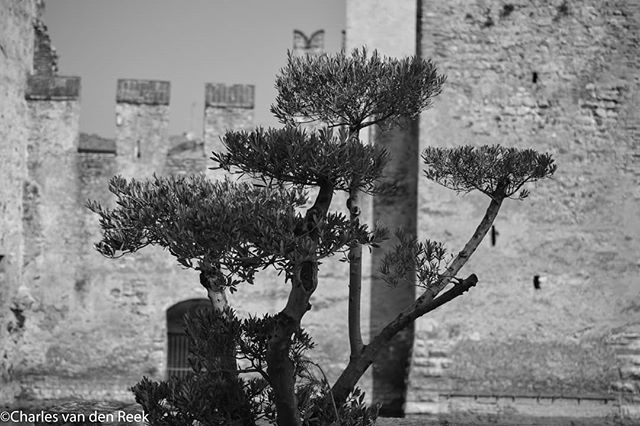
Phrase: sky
[188,42]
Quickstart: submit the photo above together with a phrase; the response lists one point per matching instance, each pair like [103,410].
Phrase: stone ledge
[40,88]
[145,92]
[235,96]
[499,409]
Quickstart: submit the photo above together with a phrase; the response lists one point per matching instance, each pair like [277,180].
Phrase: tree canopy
[230,230]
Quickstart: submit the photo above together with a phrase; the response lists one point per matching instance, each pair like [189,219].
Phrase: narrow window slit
[494,235]
[536,282]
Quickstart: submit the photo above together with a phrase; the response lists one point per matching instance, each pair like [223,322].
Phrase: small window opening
[507,9]
[536,282]
[534,77]
[494,235]
[137,149]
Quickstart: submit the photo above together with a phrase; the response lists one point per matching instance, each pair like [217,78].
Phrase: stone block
[149,92]
[219,95]
[52,88]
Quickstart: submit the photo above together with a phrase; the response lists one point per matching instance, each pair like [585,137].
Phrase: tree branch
[463,256]
[355,265]
[212,279]
[355,281]
[425,303]
[375,121]
[280,367]
[358,365]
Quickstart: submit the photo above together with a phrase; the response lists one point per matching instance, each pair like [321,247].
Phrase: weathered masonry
[552,328]
[75,323]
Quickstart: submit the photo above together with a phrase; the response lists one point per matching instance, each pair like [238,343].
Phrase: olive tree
[228,231]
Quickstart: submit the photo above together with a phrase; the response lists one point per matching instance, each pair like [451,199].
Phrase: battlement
[147,92]
[235,96]
[313,45]
[52,87]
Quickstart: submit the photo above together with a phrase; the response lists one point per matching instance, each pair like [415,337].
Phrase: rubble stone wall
[17,20]
[556,309]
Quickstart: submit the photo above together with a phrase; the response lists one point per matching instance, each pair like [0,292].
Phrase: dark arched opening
[178,344]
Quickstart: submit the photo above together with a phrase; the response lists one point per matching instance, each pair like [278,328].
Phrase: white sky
[188,42]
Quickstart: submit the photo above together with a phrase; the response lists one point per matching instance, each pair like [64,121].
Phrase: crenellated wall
[94,326]
[225,108]
[91,326]
[75,323]
[142,126]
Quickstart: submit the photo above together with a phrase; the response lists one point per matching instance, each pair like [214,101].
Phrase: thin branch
[355,281]
[463,256]
[425,303]
[376,121]
[355,269]
[339,124]
[357,366]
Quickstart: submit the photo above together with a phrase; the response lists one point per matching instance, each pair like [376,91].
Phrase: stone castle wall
[89,326]
[17,20]
[556,310]
[142,126]
[552,326]
[225,107]
[93,326]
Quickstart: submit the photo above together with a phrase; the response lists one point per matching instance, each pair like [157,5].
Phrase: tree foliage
[356,90]
[233,230]
[238,226]
[211,395]
[292,155]
[496,171]
[410,257]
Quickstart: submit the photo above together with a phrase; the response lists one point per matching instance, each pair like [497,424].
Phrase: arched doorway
[178,344]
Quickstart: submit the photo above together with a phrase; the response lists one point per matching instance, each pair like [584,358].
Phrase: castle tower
[54,114]
[225,108]
[142,126]
[50,217]
[303,45]
[391,29]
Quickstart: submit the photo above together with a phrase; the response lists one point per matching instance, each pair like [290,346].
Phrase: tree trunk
[279,365]
[282,371]
[304,281]
[213,281]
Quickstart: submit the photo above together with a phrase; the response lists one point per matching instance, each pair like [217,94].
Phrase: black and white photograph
[320,213]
